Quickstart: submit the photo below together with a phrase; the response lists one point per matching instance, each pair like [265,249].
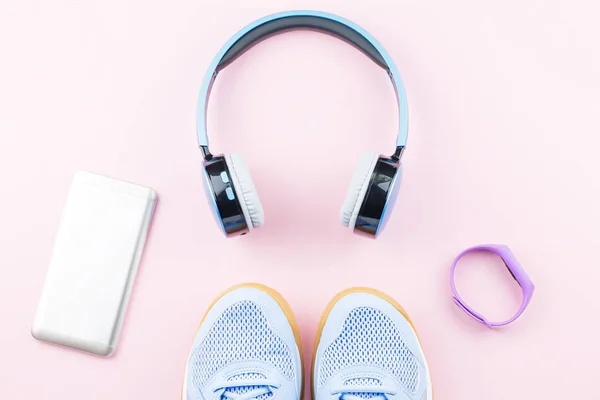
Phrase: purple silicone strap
[515,269]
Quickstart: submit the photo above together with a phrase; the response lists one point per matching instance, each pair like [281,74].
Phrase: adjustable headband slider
[205,153]
[397,156]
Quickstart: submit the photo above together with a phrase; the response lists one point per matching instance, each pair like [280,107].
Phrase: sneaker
[247,347]
[367,348]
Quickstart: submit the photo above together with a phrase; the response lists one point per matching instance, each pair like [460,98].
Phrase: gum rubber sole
[285,307]
[330,306]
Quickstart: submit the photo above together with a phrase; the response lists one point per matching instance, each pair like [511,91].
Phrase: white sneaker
[367,348]
[247,347]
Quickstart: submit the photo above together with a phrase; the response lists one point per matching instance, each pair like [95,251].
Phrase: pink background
[503,147]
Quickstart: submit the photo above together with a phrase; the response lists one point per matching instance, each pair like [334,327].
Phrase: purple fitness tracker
[515,269]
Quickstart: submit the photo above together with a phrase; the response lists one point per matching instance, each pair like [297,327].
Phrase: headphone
[228,184]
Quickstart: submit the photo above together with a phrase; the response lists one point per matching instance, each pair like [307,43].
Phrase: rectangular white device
[93,266]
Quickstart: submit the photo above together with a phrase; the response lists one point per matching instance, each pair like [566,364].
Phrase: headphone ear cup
[358,189]
[245,190]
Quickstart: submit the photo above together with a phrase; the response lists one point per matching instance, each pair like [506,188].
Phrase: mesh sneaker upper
[370,338]
[240,334]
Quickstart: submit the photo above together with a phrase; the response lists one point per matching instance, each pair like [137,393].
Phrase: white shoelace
[348,392]
[263,386]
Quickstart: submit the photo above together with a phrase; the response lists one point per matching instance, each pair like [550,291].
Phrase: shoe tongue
[364,382]
[245,389]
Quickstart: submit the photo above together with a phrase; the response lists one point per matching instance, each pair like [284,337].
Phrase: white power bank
[94,263]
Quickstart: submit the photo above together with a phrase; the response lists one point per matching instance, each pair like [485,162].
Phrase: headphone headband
[331,24]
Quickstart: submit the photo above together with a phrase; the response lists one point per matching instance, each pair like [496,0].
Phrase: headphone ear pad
[245,190]
[358,189]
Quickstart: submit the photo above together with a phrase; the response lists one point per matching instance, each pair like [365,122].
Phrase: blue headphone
[228,184]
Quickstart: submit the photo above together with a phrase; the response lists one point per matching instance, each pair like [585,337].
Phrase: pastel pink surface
[503,147]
